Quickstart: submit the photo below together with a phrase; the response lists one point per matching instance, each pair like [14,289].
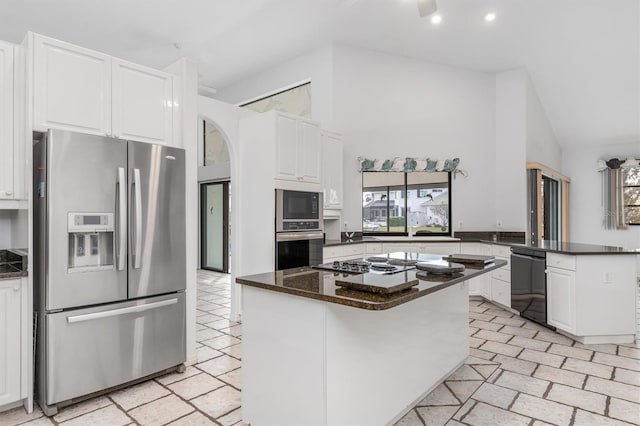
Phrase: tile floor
[518,374]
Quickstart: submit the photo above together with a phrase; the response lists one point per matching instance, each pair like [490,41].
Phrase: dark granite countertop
[570,248]
[13,263]
[320,285]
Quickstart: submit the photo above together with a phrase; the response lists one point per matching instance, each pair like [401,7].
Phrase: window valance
[408,164]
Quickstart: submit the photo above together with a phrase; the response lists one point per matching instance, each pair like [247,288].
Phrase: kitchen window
[398,203]
[631,189]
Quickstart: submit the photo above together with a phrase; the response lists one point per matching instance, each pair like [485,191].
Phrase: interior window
[632,196]
[215,147]
[296,100]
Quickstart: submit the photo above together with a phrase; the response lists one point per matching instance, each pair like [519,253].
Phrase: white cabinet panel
[286,147]
[561,299]
[10,341]
[561,261]
[72,87]
[6,121]
[332,170]
[440,248]
[142,106]
[501,292]
[309,151]
[481,285]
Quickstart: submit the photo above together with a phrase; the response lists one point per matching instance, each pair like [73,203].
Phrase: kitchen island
[315,352]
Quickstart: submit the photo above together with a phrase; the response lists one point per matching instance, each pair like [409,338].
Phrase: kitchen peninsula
[315,352]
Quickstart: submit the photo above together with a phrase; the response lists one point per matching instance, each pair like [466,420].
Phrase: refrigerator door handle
[121,212]
[122,311]
[137,249]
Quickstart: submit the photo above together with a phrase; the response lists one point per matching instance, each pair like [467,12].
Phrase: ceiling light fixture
[436,19]
[490,17]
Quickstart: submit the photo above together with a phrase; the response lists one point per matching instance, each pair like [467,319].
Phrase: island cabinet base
[308,362]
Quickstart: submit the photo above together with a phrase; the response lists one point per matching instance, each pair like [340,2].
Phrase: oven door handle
[298,236]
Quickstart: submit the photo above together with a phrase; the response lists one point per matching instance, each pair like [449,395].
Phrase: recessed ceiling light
[436,19]
[490,17]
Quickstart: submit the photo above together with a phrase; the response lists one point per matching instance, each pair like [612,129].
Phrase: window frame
[405,188]
[624,200]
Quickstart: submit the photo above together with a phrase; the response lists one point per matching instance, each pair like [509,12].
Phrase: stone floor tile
[454,423]
[472,360]
[474,342]
[436,416]
[194,419]
[584,418]
[221,323]
[441,395]
[492,335]
[486,415]
[477,309]
[518,331]
[548,336]
[234,378]
[465,372]
[617,361]
[481,317]
[540,423]
[499,312]
[612,388]
[495,395]
[485,370]
[410,419]
[464,409]
[476,301]
[533,326]
[494,376]
[486,325]
[232,418]
[235,330]
[220,365]
[106,416]
[161,411]
[520,383]
[629,352]
[578,398]
[234,351]
[19,415]
[473,330]
[221,342]
[606,348]
[541,357]
[139,394]
[624,410]
[479,353]
[206,353]
[514,322]
[175,377]
[542,409]
[463,389]
[501,348]
[527,343]
[209,333]
[572,352]
[41,421]
[627,376]
[558,375]
[205,317]
[80,409]
[218,402]
[516,365]
[195,386]
[589,368]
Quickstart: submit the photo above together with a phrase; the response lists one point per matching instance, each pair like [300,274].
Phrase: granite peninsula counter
[317,354]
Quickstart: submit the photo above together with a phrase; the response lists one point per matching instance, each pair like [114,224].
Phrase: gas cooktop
[369,265]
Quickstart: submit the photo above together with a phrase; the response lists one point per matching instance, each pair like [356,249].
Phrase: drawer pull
[122,311]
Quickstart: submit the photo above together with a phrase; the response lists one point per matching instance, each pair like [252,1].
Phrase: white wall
[585,194]
[542,145]
[510,151]
[316,66]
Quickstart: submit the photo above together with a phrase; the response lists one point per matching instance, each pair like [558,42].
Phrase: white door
[332,170]
[309,151]
[561,299]
[72,88]
[6,121]
[9,341]
[142,107]
[286,147]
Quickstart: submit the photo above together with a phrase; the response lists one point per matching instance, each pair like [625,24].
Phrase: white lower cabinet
[561,288]
[342,252]
[10,341]
[481,285]
[501,278]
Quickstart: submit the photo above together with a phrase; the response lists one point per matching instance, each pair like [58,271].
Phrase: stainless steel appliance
[299,225]
[298,211]
[109,266]
[529,283]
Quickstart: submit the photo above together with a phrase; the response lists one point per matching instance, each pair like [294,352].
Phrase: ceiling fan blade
[427,7]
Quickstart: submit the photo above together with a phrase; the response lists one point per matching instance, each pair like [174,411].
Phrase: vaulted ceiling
[583,55]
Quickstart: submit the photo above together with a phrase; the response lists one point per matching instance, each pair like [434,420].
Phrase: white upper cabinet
[6,121]
[142,103]
[298,148]
[332,170]
[89,92]
[72,87]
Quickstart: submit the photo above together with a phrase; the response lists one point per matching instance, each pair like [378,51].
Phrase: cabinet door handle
[8,192]
[16,287]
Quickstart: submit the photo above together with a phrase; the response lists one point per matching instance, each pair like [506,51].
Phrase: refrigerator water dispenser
[90,242]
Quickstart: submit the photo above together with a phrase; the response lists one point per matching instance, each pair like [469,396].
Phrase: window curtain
[408,165]
[613,198]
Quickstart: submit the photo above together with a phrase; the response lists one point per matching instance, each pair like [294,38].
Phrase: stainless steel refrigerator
[109,263]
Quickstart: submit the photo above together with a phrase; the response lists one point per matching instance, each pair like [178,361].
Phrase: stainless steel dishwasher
[529,283]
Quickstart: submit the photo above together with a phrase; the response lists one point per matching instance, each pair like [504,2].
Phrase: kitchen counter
[13,263]
[570,248]
[320,285]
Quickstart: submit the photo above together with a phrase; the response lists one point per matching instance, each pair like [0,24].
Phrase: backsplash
[512,237]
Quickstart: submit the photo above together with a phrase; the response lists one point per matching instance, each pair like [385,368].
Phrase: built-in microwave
[298,211]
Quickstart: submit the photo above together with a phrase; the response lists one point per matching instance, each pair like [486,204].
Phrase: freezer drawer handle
[137,250]
[123,311]
[121,212]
